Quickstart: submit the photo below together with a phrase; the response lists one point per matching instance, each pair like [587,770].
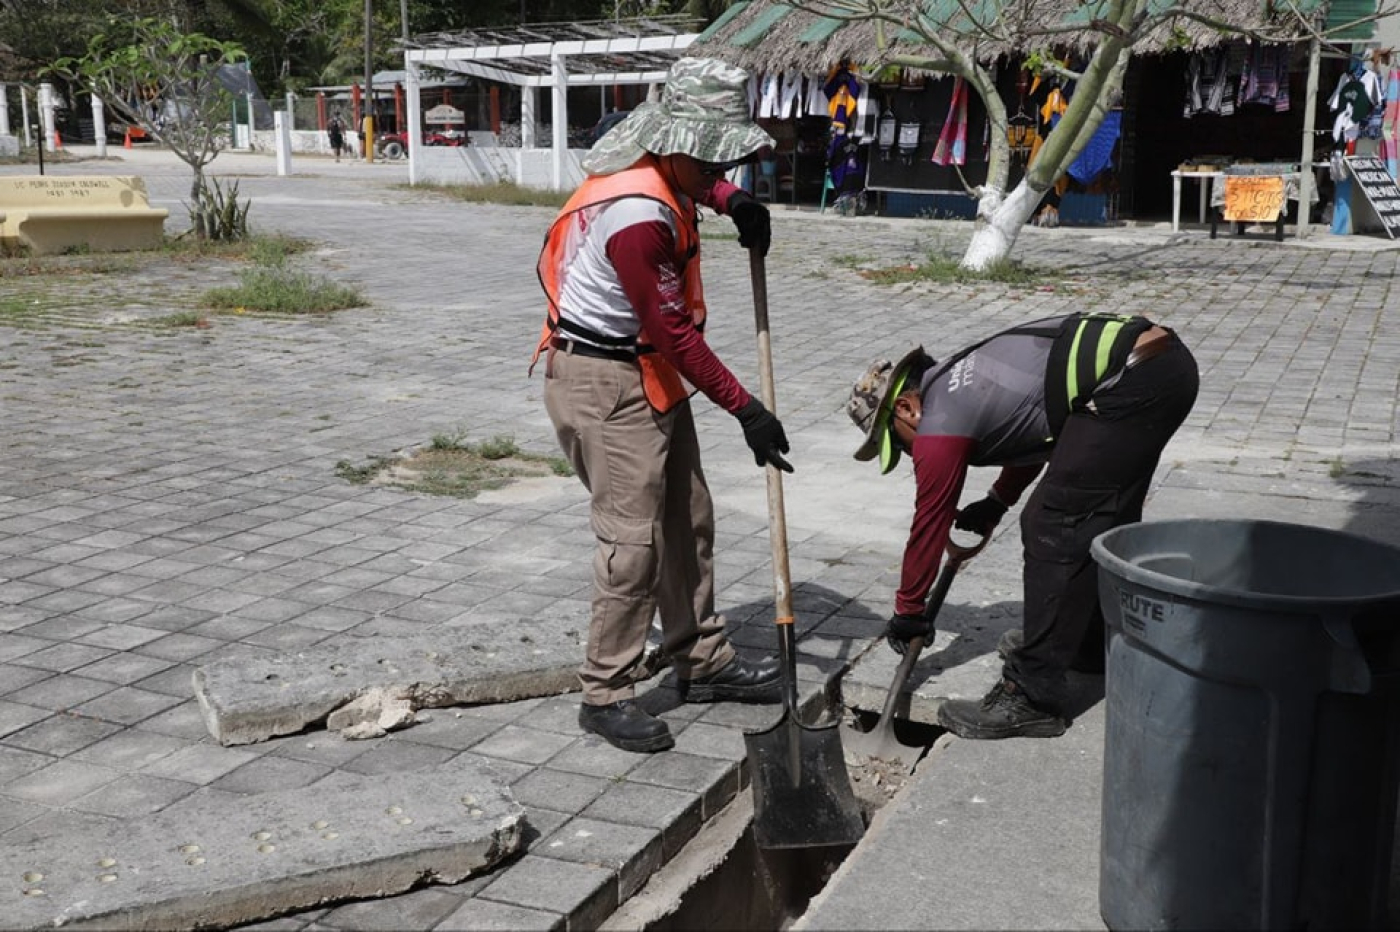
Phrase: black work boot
[1005,712]
[625,725]
[739,681]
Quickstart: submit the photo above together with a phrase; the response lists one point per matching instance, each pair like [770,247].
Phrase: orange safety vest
[662,384]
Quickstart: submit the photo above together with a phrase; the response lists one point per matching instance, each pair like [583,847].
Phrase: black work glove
[904,628]
[751,217]
[763,432]
[980,517]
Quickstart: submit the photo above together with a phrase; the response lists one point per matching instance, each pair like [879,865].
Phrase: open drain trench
[721,880]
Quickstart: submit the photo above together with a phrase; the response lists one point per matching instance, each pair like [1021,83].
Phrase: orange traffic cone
[126,143]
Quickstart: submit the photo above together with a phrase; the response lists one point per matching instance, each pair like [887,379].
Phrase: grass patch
[279,290]
[271,287]
[941,269]
[449,465]
[502,192]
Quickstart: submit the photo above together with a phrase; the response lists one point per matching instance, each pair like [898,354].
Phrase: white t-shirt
[591,294]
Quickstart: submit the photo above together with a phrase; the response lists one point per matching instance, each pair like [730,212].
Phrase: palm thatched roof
[770,36]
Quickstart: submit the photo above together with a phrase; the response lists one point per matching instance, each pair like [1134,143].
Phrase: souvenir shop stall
[1241,109]
[911,143]
[933,140]
[794,109]
[1364,137]
[904,143]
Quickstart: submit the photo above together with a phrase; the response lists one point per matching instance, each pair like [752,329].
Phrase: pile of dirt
[875,782]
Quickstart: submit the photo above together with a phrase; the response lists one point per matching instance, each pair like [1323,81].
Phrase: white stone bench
[54,214]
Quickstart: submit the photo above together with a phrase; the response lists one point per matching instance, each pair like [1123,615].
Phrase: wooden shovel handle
[777,520]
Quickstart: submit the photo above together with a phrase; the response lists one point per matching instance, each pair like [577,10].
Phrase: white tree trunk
[997,229]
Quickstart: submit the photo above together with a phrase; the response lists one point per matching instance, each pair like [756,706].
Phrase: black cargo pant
[1096,480]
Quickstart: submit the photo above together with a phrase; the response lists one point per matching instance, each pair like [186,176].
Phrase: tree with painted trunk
[167,82]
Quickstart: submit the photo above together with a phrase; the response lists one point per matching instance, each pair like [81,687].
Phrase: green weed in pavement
[940,269]
[279,290]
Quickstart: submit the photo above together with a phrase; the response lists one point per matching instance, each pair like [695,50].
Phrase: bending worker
[621,267]
[1095,396]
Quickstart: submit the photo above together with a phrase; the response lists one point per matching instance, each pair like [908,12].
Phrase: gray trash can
[1250,752]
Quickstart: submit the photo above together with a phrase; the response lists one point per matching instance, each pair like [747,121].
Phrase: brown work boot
[626,725]
[1005,712]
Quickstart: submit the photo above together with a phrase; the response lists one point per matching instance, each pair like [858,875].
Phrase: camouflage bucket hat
[703,113]
[872,405]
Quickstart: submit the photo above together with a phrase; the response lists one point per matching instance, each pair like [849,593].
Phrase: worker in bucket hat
[624,344]
[1091,400]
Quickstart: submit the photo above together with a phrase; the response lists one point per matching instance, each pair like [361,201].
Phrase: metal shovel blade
[880,742]
[802,793]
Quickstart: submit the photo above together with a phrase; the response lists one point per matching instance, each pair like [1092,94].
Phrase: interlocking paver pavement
[168,496]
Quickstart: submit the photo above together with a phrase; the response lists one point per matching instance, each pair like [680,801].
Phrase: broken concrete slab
[234,860]
[374,684]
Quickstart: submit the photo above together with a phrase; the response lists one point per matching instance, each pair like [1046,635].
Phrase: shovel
[880,743]
[802,794]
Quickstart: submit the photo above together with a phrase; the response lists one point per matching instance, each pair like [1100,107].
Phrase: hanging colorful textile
[1265,78]
[1049,113]
[790,89]
[1390,138]
[1209,88]
[1097,154]
[951,148]
[1357,94]
[843,92]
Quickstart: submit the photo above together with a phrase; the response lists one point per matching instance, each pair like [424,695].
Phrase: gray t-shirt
[995,395]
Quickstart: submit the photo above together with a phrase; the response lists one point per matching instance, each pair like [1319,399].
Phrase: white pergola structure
[556,56]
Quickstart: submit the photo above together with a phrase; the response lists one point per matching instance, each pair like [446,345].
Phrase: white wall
[532,168]
[303,140]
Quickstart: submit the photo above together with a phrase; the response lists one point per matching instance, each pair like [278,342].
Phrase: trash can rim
[1221,595]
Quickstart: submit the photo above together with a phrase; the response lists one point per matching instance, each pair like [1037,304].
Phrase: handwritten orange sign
[1253,199]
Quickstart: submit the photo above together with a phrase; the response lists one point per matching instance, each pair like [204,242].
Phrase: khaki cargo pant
[653,519]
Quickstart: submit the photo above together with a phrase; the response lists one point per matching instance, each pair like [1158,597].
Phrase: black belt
[1157,347]
[574,347]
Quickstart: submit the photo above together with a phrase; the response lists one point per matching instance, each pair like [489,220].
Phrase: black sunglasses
[715,169]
